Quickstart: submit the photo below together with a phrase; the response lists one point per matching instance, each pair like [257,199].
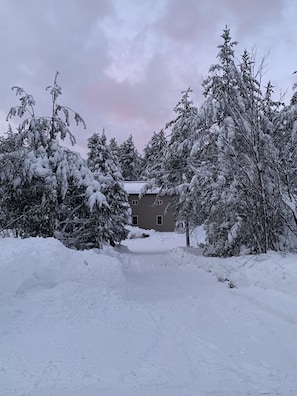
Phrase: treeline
[229,164]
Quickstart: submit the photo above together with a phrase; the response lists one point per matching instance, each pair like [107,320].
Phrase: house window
[134,220]
[159,220]
[160,202]
[134,202]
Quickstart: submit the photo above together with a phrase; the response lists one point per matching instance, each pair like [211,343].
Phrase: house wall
[148,212]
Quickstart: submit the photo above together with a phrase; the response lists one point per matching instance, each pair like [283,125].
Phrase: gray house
[148,210]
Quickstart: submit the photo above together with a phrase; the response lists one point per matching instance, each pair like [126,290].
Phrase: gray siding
[151,215]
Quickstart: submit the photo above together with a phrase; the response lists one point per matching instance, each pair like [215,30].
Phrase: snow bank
[144,319]
[136,232]
[39,263]
[269,271]
[273,271]
[156,242]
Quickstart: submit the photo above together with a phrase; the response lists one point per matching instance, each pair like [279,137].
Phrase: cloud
[42,37]
[124,63]
[141,107]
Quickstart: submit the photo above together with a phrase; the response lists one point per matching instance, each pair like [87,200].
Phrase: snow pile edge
[36,263]
[268,271]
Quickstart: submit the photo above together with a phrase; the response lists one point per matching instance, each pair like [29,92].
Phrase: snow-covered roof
[138,187]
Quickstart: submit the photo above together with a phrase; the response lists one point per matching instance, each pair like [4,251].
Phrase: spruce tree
[81,212]
[114,148]
[130,160]
[257,161]
[243,193]
[105,168]
[11,169]
[154,155]
[285,138]
[177,172]
[38,187]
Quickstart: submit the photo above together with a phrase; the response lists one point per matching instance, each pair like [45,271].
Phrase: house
[148,209]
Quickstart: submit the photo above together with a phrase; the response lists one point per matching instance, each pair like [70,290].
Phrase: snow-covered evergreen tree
[285,138]
[11,164]
[177,171]
[154,155]
[114,148]
[216,122]
[130,160]
[37,187]
[105,168]
[81,219]
[257,175]
[243,193]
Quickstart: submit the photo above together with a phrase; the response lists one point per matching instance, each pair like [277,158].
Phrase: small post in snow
[187,234]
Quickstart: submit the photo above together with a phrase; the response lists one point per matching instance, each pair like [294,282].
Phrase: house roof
[138,187]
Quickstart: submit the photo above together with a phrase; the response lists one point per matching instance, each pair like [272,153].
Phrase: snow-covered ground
[150,319]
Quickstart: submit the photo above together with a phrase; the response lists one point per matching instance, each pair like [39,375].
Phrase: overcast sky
[124,63]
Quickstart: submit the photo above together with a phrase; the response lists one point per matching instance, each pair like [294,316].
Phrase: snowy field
[150,319]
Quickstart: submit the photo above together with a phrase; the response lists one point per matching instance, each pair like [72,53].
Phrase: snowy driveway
[210,339]
[139,324]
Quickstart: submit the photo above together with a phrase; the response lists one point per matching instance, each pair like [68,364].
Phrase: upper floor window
[159,202]
[134,201]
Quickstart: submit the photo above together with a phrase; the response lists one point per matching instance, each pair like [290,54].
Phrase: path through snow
[137,323]
[220,341]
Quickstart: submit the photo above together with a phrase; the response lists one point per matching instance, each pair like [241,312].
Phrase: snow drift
[148,319]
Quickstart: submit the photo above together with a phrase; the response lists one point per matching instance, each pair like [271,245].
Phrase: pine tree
[105,168]
[154,155]
[242,199]
[285,138]
[258,158]
[114,148]
[11,164]
[215,122]
[36,190]
[222,81]
[177,172]
[81,220]
[130,160]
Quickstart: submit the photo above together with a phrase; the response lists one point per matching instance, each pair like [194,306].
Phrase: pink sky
[124,63]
